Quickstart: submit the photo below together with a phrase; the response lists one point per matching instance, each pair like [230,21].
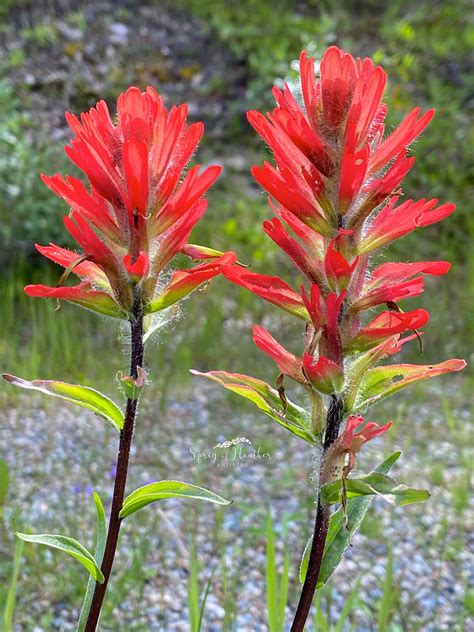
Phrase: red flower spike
[294,194]
[312,240]
[136,215]
[287,363]
[399,272]
[402,137]
[389,294]
[325,375]
[270,288]
[334,183]
[86,270]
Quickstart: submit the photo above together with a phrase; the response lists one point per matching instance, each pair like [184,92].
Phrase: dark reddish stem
[126,435]
[321,524]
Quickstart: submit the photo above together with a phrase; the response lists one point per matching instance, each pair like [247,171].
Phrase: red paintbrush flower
[135,215]
[336,182]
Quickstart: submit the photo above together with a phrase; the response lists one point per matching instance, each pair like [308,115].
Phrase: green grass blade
[271,580]
[204,601]
[11,595]
[193,594]
[285,580]
[388,596]
[101,537]
[320,623]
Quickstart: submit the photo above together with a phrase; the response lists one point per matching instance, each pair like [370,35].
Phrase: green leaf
[382,381]
[372,484]
[101,537]
[167,489]
[67,545]
[81,395]
[265,398]
[339,536]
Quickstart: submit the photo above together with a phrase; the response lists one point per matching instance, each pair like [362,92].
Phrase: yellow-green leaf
[81,395]
[147,494]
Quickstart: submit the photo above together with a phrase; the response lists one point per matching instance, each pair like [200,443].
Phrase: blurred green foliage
[29,213]
[424,47]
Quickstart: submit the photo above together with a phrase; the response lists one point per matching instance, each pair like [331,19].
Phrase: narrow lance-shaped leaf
[81,395]
[67,545]
[370,485]
[339,536]
[148,494]
[265,398]
[101,537]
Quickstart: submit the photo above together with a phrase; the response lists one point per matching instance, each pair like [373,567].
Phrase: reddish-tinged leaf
[82,295]
[382,381]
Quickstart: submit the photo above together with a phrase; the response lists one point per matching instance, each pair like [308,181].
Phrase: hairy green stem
[321,524]
[126,435]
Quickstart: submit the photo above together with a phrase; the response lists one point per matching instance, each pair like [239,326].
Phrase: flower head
[137,211]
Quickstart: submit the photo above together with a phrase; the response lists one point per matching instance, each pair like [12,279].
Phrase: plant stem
[321,524]
[126,435]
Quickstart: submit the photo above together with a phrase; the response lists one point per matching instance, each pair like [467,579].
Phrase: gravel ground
[57,455]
